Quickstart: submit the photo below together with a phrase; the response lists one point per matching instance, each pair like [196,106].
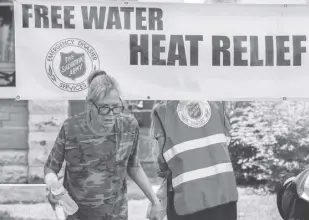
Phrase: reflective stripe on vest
[202,173]
[194,144]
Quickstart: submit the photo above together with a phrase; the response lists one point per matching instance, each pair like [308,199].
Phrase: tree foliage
[270,140]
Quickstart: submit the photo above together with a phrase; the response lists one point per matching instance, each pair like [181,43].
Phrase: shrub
[270,141]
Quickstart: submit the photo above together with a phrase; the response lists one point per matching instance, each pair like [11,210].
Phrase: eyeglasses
[105,110]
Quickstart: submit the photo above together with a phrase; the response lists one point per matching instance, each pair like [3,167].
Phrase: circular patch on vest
[195,114]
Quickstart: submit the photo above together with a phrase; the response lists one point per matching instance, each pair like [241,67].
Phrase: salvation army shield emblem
[195,114]
[194,110]
[72,65]
[69,62]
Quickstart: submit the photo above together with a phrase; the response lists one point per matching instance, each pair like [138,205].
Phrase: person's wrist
[156,202]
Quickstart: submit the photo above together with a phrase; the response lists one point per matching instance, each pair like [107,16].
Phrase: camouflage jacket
[95,172]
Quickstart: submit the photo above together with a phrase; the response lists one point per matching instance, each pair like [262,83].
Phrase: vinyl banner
[162,50]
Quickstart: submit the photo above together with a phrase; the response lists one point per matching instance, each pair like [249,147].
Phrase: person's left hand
[155,212]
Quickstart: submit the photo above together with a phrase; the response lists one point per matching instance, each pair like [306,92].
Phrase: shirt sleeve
[56,157]
[159,136]
[133,159]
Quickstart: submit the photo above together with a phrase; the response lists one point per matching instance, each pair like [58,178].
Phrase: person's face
[107,108]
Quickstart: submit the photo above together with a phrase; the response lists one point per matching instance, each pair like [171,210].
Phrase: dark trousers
[290,206]
[222,212]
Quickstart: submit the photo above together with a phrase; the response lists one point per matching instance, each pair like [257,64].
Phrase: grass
[29,203]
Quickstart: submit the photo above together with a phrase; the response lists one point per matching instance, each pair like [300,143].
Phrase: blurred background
[270,142]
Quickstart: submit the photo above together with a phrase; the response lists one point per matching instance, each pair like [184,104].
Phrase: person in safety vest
[293,197]
[193,157]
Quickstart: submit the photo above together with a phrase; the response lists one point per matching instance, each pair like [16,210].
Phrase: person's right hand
[52,201]
[155,210]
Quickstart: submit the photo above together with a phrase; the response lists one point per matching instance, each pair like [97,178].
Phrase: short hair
[100,82]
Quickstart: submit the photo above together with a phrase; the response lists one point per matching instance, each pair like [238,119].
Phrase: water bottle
[60,213]
[65,201]
[51,179]
[161,194]
[66,205]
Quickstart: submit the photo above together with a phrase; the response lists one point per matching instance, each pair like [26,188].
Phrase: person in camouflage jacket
[99,147]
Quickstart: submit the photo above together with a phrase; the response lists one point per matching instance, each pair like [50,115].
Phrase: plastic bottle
[66,205]
[51,179]
[60,213]
[161,194]
[60,193]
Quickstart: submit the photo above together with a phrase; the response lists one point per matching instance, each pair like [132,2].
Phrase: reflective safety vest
[302,184]
[196,153]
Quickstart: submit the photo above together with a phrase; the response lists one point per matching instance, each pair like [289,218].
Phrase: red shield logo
[72,65]
[194,110]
